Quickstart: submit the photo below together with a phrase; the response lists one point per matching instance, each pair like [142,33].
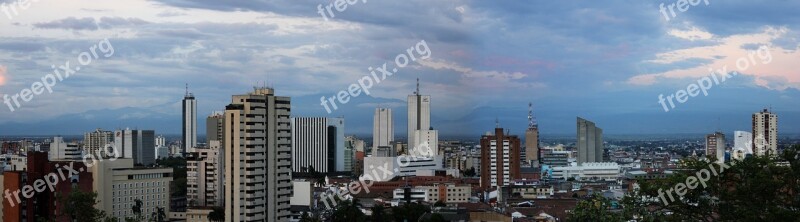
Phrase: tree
[217,214]
[159,215]
[378,213]
[596,208]
[439,204]
[470,172]
[348,211]
[79,206]
[409,212]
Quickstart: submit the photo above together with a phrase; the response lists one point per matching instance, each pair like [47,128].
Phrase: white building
[588,171]
[204,176]
[119,184]
[383,128]
[428,143]
[258,170]
[60,150]
[318,142]
[189,137]
[765,133]
[401,166]
[419,115]
[138,145]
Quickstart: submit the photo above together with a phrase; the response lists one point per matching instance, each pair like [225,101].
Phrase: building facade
[60,150]
[715,146]
[383,128]
[590,142]
[765,133]
[258,159]
[95,142]
[189,138]
[138,145]
[319,143]
[119,185]
[214,124]
[419,115]
[532,139]
[500,159]
[204,176]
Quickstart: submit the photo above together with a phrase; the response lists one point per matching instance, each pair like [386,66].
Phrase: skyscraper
[499,159]
[419,115]
[214,124]
[382,129]
[258,157]
[318,142]
[95,142]
[189,140]
[765,133]
[715,146]
[532,139]
[139,145]
[589,141]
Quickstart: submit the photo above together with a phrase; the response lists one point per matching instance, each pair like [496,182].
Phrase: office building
[554,158]
[588,171]
[214,124]
[500,159]
[60,150]
[94,142]
[589,141]
[258,159]
[318,142]
[400,166]
[427,143]
[419,115]
[715,146]
[532,139]
[765,133]
[383,128]
[189,139]
[204,176]
[742,145]
[119,184]
[138,145]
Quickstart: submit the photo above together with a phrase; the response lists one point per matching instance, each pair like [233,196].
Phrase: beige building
[204,176]
[765,133]
[198,214]
[119,184]
[532,139]
[94,142]
[258,163]
[533,192]
[448,193]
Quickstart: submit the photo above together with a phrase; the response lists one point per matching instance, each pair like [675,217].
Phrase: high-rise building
[319,143]
[189,140]
[95,142]
[138,145]
[742,145]
[119,185]
[715,146]
[383,128]
[532,139]
[419,115]
[204,176]
[427,143]
[214,124]
[258,159]
[499,159]
[589,141]
[765,133]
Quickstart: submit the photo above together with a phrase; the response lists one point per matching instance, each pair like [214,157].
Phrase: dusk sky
[604,61]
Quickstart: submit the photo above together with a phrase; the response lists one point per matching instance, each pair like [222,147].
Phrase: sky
[606,61]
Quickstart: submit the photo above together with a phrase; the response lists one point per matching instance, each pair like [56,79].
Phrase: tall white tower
[419,115]
[189,140]
[382,129]
[765,133]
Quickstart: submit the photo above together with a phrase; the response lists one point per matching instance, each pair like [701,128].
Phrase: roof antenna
[187,89]
[497,122]
[417,87]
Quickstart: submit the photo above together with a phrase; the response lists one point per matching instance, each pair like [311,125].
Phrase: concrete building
[765,133]
[742,145]
[589,141]
[138,145]
[352,146]
[428,143]
[555,158]
[532,139]
[119,184]
[214,124]
[588,171]
[715,146]
[500,159]
[419,115]
[318,142]
[383,128]
[189,137]
[204,176]
[198,214]
[447,193]
[60,150]
[401,166]
[94,142]
[258,159]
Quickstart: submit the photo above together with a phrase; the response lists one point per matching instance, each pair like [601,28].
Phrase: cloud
[773,69]
[3,75]
[91,24]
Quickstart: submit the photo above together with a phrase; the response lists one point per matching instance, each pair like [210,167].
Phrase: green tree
[409,212]
[596,208]
[159,215]
[79,206]
[378,213]
[217,214]
[470,172]
[348,211]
